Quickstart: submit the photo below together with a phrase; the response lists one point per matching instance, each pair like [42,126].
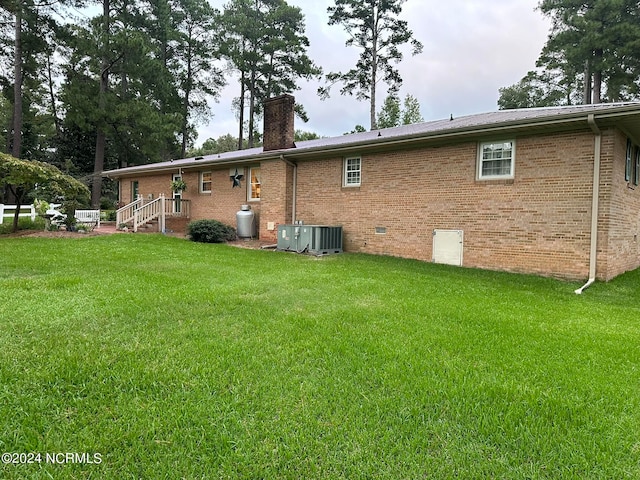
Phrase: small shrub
[24,223]
[210,231]
[108,215]
[70,223]
[107,204]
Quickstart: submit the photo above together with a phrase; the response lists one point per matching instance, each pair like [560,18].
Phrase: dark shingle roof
[447,127]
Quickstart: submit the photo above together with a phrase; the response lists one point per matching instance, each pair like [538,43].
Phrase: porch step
[149,227]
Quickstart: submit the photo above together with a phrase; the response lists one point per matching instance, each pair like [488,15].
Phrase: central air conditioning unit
[314,239]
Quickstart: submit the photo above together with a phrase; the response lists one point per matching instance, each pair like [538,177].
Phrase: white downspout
[595,204]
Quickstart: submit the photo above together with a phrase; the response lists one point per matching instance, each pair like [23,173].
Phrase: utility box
[448,247]
[313,239]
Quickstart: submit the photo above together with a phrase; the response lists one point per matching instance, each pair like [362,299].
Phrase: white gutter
[595,203]
[295,187]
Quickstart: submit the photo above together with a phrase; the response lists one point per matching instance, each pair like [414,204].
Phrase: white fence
[83,216]
[12,209]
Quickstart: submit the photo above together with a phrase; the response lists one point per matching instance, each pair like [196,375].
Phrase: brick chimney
[278,123]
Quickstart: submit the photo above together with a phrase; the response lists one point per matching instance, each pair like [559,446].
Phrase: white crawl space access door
[447,246]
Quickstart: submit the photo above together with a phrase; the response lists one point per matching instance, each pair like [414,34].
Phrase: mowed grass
[172,359]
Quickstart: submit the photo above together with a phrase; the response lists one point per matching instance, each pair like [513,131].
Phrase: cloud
[471,49]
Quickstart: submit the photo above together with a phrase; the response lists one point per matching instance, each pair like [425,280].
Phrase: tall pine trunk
[101,136]
[185,105]
[241,113]
[372,110]
[597,77]
[374,70]
[52,99]
[252,107]
[16,146]
[588,86]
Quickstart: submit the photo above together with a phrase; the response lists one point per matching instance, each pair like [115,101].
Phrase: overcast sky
[471,49]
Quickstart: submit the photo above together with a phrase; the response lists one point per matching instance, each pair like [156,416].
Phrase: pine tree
[28,34]
[374,27]
[600,39]
[265,41]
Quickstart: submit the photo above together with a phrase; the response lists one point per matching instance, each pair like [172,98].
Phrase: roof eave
[561,122]
[160,168]
[435,137]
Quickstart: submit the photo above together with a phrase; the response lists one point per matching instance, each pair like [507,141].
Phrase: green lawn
[171,359]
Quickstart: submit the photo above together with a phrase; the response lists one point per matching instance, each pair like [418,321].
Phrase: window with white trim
[352,172]
[496,160]
[205,182]
[254,184]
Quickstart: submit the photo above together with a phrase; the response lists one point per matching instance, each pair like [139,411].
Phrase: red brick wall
[221,204]
[277,198]
[539,222]
[619,213]
[279,115]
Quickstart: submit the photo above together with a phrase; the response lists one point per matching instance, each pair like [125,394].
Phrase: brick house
[510,190]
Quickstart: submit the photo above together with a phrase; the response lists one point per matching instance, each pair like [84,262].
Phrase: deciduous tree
[392,115]
[389,115]
[22,177]
[534,90]
[411,111]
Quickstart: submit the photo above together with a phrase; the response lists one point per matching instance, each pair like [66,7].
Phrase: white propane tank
[246,221]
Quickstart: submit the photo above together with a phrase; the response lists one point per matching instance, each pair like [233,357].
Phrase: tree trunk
[241,113]
[185,105]
[372,111]
[101,137]
[52,99]
[588,88]
[16,147]
[374,69]
[252,101]
[597,77]
[597,86]
[96,184]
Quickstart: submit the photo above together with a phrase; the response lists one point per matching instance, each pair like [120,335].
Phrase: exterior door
[177,196]
[134,190]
